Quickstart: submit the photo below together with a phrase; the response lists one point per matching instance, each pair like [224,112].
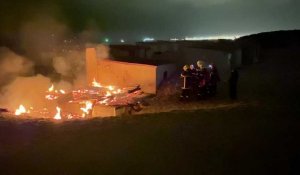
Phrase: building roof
[155,62]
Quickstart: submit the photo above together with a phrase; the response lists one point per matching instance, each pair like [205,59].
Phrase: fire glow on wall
[125,74]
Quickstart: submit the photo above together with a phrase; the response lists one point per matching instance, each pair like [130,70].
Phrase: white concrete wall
[124,74]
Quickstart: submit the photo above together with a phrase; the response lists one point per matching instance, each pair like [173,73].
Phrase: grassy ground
[259,134]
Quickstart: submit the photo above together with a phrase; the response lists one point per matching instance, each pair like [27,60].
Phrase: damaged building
[225,54]
[148,75]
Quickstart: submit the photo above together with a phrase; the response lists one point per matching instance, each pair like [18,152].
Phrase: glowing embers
[53,94]
[51,88]
[103,102]
[21,110]
[57,116]
[62,91]
[95,83]
[94,101]
[87,109]
[109,89]
[31,112]
[117,91]
[103,94]
[108,94]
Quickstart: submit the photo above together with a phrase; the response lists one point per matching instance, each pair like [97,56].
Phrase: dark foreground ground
[260,136]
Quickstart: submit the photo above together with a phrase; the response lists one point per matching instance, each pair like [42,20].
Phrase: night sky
[135,19]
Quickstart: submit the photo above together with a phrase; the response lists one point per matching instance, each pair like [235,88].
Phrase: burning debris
[21,110]
[87,109]
[53,94]
[81,103]
[37,97]
[58,115]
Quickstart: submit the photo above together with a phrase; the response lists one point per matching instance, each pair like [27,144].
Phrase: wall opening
[165,75]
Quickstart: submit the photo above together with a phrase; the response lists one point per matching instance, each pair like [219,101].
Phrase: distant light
[106,40]
[229,37]
[122,41]
[174,39]
[148,39]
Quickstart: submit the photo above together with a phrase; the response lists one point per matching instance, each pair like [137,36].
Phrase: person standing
[233,80]
[214,78]
[194,80]
[203,77]
[193,70]
[187,82]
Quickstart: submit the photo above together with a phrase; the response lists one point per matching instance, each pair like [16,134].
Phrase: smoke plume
[42,37]
[29,91]
[53,55]
[13,65]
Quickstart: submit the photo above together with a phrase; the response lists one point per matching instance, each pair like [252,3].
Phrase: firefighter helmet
[200,64]
[185,67]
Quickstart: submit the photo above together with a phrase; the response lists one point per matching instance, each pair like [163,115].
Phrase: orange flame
[104,101]
[117,91]
[70,116]
[21,110]
[57,115]
[111,88]
[51,88]
[53,94]
[96,84]
[88,107]
[62,91]
[108,94]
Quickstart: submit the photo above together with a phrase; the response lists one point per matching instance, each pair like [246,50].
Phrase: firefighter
[187,82]
[234,76]
[200,64]
[194,78]
[203,77]
[193,70]
[214,78]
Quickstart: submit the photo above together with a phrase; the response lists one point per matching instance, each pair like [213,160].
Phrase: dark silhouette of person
[187,82]
[203,78]
[233,80]
[214,79]
[194,79]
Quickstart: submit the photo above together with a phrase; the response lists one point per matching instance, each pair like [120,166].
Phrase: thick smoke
[102,51]
[29,91]
[54,55]
[13,65]
[61,66]
[42,38]
[71,68]
[69,65]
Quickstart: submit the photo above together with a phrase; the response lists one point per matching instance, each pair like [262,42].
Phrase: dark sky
[156,18]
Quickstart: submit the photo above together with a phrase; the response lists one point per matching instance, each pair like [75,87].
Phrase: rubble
[93,101]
